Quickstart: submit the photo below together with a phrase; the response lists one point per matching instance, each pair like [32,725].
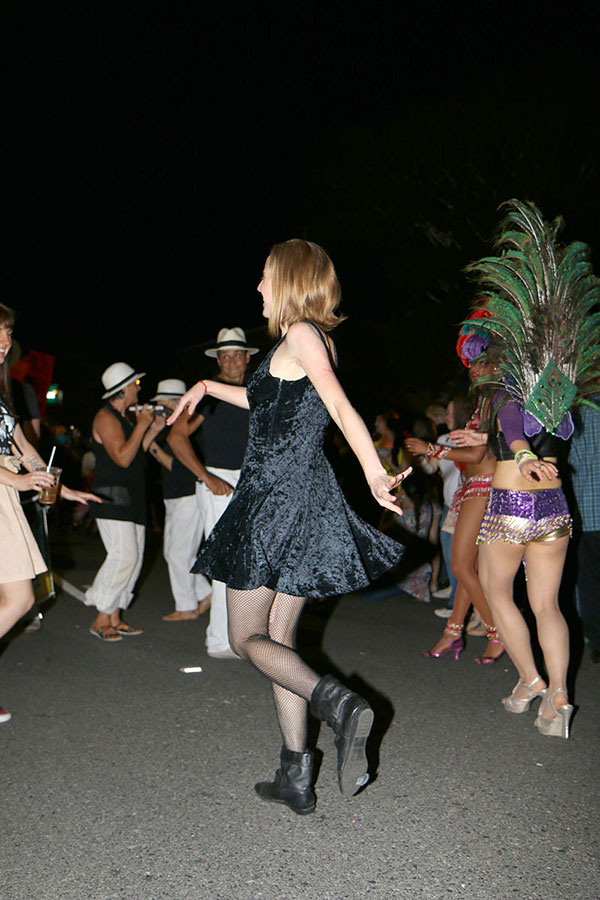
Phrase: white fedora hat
[231,339]
[118,376]
[170,387]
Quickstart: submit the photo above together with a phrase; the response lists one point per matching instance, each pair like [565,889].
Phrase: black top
[7,430]
[123,490]
[543,444]
[288,525]
[224,433]
[178,481]
[26,405]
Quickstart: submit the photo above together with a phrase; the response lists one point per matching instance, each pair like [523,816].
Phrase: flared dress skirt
[288,526]
[20,557]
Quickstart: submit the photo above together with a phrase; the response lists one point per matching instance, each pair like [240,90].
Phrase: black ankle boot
[351,718]
[292,784]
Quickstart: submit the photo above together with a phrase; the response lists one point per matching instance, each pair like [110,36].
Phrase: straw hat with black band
[118,376]
[231,339]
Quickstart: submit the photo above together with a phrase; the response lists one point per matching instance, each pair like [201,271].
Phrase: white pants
[115,579]
[182,536]
[212,507]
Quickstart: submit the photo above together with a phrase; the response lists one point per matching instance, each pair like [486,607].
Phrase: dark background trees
[156,153]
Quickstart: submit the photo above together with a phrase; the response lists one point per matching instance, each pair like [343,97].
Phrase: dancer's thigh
[545,561]
[464,547]
[498,564]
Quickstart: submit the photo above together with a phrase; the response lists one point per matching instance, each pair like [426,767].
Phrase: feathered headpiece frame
[543,304]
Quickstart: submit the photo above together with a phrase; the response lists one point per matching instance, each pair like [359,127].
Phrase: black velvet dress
[288,526]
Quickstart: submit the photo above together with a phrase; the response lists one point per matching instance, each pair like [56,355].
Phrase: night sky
[156,151]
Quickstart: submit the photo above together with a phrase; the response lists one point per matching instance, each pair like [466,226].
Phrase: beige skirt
[20,558]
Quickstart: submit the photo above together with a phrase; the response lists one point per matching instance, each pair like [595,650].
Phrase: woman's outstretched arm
[465,454]
[230,393]
[308,350]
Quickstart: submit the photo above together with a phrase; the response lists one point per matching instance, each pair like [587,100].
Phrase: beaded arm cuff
[438,451]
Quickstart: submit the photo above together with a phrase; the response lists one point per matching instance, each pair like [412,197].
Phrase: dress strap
[332,355]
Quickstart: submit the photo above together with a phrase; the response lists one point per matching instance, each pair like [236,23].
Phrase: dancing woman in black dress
[288,533]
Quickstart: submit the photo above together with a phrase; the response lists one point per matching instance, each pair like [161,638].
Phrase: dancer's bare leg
[469,590]
[545,563]
[465,563]
[16,598]
[498,565]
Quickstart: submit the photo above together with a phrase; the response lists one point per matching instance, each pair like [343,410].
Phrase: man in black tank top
[224,434]
[120,479]
[183,526]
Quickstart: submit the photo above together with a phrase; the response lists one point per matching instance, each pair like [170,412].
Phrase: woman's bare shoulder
[308,336]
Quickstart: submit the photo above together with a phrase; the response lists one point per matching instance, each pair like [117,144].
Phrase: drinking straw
[48,467]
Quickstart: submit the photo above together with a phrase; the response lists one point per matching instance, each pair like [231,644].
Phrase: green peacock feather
[544,304]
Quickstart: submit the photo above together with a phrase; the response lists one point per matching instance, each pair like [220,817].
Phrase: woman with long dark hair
[20,558]
[465,515]
[288,533]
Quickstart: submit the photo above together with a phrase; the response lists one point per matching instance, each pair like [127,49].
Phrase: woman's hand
[34,481]
[537,469]
[189,401]
[382,486]
[68,493]
[416,446]
[466,437]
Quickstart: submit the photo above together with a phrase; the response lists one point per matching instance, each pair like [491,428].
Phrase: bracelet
[202,382]
[437,451]
[524,455]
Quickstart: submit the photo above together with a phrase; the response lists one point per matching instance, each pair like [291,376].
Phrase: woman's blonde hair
[305,286]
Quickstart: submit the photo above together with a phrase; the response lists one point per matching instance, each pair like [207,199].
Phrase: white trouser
[182,537]
[115,579]
[212,507]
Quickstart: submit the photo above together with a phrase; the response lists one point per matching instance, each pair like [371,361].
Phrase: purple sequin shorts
[523,516]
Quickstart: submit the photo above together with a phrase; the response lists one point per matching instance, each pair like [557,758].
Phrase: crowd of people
[255,522]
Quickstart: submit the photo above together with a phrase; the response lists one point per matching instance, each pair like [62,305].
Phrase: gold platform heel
[520,705]
[558,726]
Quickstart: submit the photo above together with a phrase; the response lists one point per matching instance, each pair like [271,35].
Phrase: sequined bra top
[7,430]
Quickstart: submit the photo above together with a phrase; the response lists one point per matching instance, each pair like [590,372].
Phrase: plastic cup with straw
[48,495]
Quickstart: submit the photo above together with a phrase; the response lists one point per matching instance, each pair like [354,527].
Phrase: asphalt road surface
[124,778]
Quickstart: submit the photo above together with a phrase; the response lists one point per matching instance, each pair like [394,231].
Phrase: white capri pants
[184,526]
[115,579]
[212,507]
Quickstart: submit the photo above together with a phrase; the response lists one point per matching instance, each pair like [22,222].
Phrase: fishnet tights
[262,630]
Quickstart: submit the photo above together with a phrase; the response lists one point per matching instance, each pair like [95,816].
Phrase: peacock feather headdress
[543,302]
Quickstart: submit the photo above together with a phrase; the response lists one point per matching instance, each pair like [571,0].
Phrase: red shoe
[4,715]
